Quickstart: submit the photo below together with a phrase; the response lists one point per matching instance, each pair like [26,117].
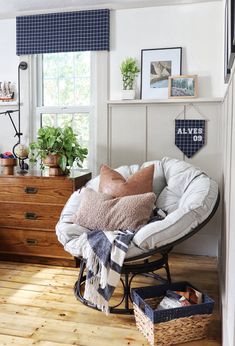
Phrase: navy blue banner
[189,135]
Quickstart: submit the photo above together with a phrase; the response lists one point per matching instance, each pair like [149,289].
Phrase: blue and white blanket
[104,252]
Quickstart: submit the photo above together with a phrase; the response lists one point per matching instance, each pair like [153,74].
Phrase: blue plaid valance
[62,32]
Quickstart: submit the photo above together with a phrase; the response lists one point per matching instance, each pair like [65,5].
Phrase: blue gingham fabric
[189,135]
[104,252]
[63,32]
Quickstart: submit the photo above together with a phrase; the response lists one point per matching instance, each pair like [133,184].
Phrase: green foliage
[129,71]
[56,140]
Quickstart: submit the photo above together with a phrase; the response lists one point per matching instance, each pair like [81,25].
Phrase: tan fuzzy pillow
[101,211]
[114,184]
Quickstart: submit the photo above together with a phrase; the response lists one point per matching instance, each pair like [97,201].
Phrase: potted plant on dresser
[58,148]
[129,71]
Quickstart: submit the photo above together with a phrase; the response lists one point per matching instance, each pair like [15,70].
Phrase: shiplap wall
[139,132]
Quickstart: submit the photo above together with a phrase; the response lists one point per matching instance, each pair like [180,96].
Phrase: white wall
[8,72]
[227,243]
[227,248]
[195,27]
[8,57]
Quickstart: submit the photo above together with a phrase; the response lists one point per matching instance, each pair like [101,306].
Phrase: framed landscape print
[185,86]
[157,65]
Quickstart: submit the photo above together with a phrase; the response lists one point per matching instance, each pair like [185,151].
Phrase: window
[66,79]
[65,93]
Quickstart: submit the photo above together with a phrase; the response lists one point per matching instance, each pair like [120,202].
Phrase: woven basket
[170,326]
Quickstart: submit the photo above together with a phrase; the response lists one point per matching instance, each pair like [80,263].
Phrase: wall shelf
[168,101]
[6,104]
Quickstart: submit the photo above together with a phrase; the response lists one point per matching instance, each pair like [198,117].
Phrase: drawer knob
[31,190]
[31,241]
[30,216]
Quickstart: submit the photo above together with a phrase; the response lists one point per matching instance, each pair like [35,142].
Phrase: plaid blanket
[104,252]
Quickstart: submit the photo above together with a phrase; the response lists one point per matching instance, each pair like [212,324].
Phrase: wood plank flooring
[37,306]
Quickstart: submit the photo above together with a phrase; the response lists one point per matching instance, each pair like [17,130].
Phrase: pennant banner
[189,135]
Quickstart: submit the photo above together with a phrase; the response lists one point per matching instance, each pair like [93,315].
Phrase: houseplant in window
[58,149]
[129,71]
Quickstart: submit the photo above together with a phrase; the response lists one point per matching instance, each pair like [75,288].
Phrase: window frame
[74,109]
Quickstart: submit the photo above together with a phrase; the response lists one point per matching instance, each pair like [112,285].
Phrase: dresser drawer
[29,215]
[30,207]
[37,243]
[37,190]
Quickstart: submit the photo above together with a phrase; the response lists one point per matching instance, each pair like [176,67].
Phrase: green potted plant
[58,149]
[129,70]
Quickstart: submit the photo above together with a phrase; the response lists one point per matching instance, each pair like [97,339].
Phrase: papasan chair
[190,199]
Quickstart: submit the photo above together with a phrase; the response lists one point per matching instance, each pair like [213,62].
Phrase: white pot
[128,94]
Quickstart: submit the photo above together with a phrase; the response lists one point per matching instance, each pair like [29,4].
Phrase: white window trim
[89,110]
[98,114]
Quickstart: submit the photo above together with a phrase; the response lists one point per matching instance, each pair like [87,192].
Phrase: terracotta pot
[52,161]
[8,165]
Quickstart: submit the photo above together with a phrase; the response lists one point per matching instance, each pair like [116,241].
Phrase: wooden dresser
[30,207]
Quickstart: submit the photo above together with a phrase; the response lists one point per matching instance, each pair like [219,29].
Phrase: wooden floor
[37,306]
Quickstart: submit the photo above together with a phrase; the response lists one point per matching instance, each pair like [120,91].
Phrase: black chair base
[129,271]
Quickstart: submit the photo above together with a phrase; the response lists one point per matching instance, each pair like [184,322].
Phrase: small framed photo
[185,86]
[156,66]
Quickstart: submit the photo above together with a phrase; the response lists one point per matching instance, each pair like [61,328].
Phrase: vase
[52,161]
[8,165]
[128,94]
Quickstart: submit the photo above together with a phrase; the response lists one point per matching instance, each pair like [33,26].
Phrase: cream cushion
[184,191]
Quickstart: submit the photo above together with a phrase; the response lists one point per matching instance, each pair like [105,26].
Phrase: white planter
[128,94]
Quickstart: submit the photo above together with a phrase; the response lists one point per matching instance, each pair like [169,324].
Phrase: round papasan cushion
[184,191]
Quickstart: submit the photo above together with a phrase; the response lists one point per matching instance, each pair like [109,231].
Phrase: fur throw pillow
[101,211]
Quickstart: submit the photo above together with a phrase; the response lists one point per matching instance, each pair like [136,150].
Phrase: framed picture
[185,86]
[233,22]
[226,53]
[156,66]
[229,8]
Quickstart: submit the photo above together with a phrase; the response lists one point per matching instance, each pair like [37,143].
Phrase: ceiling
[21,7]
